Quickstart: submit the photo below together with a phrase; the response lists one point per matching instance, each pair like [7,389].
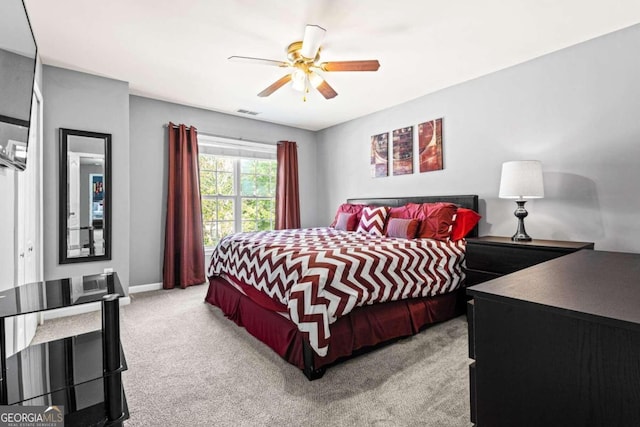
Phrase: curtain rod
[213,135]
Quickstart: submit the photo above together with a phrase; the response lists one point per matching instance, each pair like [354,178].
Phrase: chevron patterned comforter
[320,274]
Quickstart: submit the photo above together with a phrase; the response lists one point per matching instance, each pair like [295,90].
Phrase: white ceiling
[177,50]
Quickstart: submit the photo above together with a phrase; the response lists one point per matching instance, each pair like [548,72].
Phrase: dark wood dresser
[558,344]
[490,257]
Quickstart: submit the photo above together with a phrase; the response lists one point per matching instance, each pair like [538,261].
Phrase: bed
[318,296]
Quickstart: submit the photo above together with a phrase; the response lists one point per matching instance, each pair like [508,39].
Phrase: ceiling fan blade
[368,65]
[313,36]
[262,61]
[275,86]
[326,90]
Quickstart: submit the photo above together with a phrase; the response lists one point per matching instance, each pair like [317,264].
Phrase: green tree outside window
[238,195]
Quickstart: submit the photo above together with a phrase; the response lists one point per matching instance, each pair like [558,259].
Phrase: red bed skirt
[363,327]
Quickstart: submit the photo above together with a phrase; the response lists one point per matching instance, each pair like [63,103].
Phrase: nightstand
[490,257]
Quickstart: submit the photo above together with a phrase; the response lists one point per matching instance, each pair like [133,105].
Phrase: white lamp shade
[521,179]
[315,79]
[299,80]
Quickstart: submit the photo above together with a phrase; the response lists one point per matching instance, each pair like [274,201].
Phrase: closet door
[28,225]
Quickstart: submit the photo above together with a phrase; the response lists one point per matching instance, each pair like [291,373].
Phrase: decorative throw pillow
[436,219]
[466,219]
[346,221]
[349,208]
[403,228]
[372,220]
[397,212]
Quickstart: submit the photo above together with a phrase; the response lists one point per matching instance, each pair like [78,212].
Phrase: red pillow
[372,220]
[466,219]
[348,208]
[413,209]
[400,212]
[436,219]
[346,221]
[403,228]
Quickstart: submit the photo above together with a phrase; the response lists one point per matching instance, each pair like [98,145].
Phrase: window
[238,187]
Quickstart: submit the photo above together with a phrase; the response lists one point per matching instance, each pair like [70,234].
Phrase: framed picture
[403,151]
[380,155]
[430,145]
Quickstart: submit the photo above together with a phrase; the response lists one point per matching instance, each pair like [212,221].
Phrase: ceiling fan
[303,57]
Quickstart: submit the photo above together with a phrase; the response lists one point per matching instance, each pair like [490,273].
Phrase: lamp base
[521,213]
[521,238]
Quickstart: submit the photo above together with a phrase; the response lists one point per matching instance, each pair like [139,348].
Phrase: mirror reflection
[17,71]
[85,196]
[86,189]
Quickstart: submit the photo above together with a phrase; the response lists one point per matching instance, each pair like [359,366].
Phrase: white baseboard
[78,309]
[145,288]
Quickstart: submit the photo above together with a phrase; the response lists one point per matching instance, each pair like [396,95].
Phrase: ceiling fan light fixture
[315,79]
[299,80]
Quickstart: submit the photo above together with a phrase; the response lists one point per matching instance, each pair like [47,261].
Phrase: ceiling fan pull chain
[306,88]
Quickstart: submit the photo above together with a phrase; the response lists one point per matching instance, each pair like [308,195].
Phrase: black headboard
[466,201]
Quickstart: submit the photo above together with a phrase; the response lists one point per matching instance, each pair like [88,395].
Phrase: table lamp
[520,180]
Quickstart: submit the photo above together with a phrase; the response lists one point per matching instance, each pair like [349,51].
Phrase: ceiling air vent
[251,113]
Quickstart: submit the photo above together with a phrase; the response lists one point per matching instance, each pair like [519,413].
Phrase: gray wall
[86,102]
[149,171]
[577,110]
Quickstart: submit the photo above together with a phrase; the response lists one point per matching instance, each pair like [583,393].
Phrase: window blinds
[229,147]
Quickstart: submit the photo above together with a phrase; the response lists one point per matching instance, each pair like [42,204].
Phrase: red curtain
[287,194]
[183,241]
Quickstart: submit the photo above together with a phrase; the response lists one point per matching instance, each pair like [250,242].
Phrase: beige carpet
[190,366]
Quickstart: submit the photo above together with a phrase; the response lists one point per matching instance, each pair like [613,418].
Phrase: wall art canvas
[430,145]
[403,151]
[380,155]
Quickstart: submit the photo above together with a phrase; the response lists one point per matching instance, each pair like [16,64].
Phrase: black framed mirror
[85,196]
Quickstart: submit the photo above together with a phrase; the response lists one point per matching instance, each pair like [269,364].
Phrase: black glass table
[82,372]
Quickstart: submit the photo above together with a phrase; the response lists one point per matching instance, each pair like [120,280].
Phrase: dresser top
[539,243]
[585,284]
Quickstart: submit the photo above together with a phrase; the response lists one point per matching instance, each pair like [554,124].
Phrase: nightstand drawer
[505,260]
